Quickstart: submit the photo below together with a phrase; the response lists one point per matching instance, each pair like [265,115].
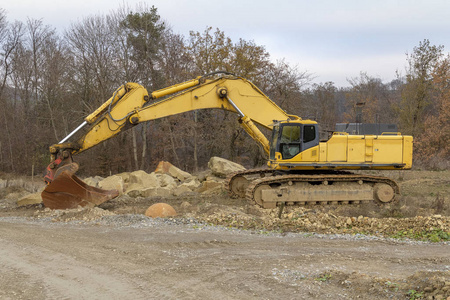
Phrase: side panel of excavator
[353,152]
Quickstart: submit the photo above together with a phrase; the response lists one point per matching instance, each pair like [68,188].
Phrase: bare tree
[320,104]
[372,95]
[416,93]
[10,37]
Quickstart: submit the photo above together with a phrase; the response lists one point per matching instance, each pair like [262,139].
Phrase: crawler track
[237,182]
[321,189]
[265,188]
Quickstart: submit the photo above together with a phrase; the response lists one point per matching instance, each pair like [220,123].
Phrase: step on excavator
[301,169]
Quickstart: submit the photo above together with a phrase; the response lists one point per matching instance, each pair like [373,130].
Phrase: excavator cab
[290,138]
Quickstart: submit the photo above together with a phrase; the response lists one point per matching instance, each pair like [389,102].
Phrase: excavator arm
[131,104]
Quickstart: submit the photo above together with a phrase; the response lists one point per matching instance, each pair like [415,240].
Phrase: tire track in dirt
[62,276]
[163,261]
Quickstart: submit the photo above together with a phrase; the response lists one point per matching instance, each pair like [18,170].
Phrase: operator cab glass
[290,139]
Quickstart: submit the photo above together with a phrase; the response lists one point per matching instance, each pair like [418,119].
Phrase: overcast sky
[334,40]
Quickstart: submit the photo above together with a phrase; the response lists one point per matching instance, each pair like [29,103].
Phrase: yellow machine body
[352,152]
[293,147]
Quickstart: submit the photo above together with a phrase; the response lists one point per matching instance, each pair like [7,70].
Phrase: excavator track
[236,183]
[324,189]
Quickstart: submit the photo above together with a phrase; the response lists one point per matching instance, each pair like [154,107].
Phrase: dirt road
[133,257]
[314,252]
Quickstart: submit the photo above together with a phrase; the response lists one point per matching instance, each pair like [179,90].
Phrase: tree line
[49,81]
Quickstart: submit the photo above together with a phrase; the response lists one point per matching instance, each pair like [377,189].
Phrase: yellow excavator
[301,168]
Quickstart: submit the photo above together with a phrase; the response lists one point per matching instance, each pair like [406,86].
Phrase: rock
[180,190]
[17,195]
[165,167]
[143,179]
[34,198]
[112,183]
[212,177]
[125,176]
[166,181]
[134,190]
[208,185]
[203,175]
[214,191]
[222,167]
[155,192]
[133,193]
[160,210]
[185,205]
[192,184]
[93,181]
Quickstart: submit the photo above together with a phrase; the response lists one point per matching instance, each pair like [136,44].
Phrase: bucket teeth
[68,191]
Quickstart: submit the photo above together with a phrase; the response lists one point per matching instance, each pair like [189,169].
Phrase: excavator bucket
[68,191]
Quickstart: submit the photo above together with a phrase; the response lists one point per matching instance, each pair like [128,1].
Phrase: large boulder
[160,210]
[166,181]
[143,179]
[221,167]
[192,184]
[133,190]
[93,181]
[181,190]
[125,176]
[139,181]
[156,192]
[210,185]
[165,167]
[112,183]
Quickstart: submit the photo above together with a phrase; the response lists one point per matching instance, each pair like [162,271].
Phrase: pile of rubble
[317,219]
[167,180]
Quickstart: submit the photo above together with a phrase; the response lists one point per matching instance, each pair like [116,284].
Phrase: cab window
[290,141]
[309,133]
[276,130]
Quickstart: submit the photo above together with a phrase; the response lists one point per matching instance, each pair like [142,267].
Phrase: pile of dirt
[421,285]
[321,220]
[82,214]
[432,285]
